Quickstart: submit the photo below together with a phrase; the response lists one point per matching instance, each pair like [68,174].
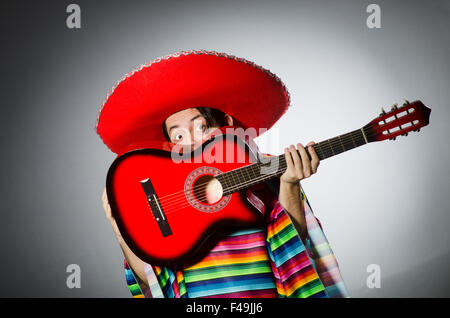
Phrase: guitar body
[159,208]
[159,201]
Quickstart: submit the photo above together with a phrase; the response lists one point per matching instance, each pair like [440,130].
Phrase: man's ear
[229,120]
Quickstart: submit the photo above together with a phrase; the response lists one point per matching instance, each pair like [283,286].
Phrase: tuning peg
[405,134]
[406,102]
[394,107]
[382,112]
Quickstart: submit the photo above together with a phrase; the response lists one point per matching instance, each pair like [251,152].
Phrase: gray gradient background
[385,203]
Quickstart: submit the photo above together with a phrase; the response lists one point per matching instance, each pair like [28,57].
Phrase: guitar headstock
[398,121]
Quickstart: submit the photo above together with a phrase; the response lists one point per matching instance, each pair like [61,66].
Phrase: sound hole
[207,189]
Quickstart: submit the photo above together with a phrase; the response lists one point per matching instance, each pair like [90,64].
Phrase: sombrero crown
[138,104]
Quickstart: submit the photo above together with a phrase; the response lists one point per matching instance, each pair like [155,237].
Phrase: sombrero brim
[135,109]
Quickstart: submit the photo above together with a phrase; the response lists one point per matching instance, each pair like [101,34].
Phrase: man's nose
[196,136]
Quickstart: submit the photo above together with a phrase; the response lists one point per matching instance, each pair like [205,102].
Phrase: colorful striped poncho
[261,262]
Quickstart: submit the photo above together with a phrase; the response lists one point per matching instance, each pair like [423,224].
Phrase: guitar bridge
[156,208]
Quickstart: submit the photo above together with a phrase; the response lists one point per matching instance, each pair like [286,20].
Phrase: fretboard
[248,176]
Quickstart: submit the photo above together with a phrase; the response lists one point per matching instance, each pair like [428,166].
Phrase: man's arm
[298,167]
[290,200]
[133,261]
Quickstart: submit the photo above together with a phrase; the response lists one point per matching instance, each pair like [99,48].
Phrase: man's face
[186,127]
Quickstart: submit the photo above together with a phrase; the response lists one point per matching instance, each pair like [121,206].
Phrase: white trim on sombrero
[189,52]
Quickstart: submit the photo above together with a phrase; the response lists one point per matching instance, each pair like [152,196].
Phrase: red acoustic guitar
[160,198]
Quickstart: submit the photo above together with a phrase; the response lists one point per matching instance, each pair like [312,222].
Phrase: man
[190,94]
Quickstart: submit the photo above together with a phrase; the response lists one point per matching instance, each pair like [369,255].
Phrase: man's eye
[178,137]
[201,127]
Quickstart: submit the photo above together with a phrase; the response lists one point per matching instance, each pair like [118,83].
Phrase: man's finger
[288,158]
[305,160]
[297,161]
[315,161]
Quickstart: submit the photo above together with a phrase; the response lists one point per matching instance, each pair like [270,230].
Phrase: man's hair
[213,118]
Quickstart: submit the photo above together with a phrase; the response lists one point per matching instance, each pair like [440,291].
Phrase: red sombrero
[136,107]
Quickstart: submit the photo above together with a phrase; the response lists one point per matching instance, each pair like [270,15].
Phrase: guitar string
[370,134]
[203,185]
[169,208]
[273,172]
[242,184]
[333,142]
[348,140]
[227,187]
[172,208]
[168,203]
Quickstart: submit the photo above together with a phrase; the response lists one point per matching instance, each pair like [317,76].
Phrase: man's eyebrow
[192,119]
[175,126]
[195,117]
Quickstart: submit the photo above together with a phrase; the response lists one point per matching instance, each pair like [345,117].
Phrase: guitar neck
[271,167]
[334,146]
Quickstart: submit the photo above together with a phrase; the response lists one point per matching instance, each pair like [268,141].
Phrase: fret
[353,140]
[246,182]
[233,181]
[255,171]
[227,178]
[335,143]
[234,177]
[319,151]
[340,140]
[364,134]
[327,153]
[322,151]
[271,166]
[240,175]
[247,176]
[359,138]
[349,142]
[329,144]
[230,180]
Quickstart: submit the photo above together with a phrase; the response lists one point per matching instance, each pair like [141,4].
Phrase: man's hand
[136,263]
[109,216]
[299,166]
